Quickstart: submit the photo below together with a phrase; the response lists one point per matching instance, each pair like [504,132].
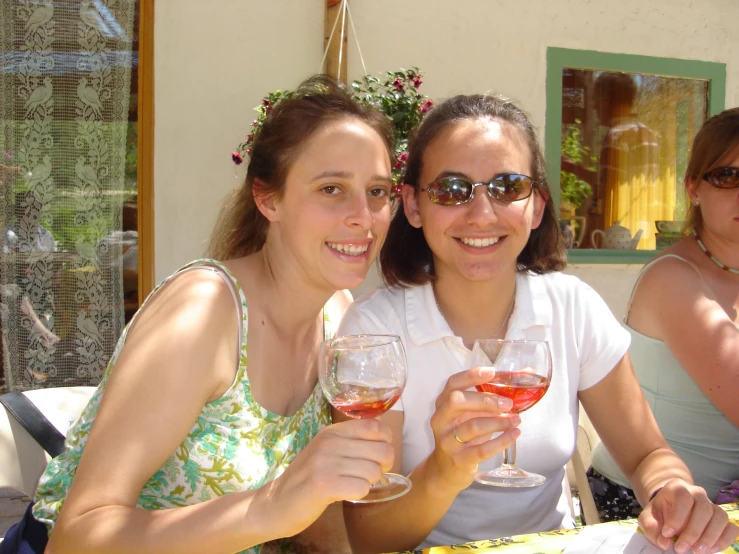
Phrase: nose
[481,209]
[359,214]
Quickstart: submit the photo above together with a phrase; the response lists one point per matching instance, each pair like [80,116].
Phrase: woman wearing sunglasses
[684,317]
[474,253]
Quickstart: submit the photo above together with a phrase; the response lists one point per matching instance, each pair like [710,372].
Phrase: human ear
[410,205]
[265,201]
[540,205]
[692,188]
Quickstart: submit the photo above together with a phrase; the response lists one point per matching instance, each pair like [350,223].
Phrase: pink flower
[236,157]
[398,83]
[401,161]
[417,82]
[426,106]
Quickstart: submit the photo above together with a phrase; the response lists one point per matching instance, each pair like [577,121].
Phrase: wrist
[444,479]
[273,512]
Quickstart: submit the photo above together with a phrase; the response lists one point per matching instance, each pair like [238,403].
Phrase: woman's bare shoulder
[676,270]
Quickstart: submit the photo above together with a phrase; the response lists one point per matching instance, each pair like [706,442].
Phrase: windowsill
[597,256]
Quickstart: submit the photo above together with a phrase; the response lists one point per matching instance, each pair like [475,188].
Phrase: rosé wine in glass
[362,376]
[523,372]
[525,388]
[362,402]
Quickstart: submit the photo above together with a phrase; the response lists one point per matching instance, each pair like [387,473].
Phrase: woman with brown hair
[683,318]
[475,253]
[194,443]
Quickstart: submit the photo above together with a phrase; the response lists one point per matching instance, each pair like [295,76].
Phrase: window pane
[625,146]
[67,187]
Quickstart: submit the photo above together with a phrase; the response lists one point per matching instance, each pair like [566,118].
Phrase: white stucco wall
[214,61]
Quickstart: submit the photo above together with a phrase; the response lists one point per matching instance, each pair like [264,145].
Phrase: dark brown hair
[241,229]
[406,258]
[717,139]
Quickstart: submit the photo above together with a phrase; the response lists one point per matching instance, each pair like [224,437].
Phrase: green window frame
[560,58]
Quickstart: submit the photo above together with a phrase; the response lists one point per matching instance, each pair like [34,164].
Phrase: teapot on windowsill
[616,237]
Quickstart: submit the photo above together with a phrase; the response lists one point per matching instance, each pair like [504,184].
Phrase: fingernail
[668,532]
[487,372]
[681,547]
[701,549]
[504,403]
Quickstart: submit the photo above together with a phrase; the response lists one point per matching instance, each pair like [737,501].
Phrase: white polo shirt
[586,343]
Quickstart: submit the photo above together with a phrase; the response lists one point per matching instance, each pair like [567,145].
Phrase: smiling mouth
[349,249]
[480,243]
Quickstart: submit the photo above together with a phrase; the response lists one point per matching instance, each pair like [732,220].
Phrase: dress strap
[233,286]
[231,282]
[644,270]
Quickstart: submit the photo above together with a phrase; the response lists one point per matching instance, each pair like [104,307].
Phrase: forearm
[224,525]
[403,523]
[656,469]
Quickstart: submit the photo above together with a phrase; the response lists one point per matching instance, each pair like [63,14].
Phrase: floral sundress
[234,445]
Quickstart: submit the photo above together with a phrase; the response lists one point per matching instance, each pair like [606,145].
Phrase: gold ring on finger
[456,437]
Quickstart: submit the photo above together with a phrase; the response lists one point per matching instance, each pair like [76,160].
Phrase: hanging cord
[345,12]
[328,44]
[341,40]
[356,38]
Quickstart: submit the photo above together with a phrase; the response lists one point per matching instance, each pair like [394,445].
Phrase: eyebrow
[348,175]
[458,174]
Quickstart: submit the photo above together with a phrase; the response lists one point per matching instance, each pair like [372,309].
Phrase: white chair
[22,460]
[577,467]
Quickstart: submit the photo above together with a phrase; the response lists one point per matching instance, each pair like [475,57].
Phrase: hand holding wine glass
[522,372]
[362,376]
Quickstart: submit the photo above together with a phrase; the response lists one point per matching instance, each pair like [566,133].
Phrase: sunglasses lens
[512,187]
[724,177]
[449,192]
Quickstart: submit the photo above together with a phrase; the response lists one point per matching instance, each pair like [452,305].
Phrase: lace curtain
[65,82]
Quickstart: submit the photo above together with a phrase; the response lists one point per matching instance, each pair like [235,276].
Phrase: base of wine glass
[390,487]
[509,476]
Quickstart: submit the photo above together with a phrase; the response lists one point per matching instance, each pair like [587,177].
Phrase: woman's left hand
[683,513]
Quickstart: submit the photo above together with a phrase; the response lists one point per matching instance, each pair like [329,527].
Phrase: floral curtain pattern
[65,82]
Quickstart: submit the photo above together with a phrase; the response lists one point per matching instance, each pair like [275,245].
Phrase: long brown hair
[241,229]
[406,258]
[717,139]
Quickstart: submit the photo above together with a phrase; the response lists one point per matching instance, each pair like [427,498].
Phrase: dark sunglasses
[723,177]
[508,187]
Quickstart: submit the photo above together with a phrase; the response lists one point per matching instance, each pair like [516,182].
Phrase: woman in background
[683,318]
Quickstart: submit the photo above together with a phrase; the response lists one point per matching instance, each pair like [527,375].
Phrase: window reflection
[624,148]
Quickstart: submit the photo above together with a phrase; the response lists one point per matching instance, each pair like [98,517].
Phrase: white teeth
[351,249]
[480,243]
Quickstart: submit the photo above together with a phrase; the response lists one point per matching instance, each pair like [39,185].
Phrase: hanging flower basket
[396,95]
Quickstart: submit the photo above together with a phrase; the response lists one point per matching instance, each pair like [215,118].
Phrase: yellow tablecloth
[551,542]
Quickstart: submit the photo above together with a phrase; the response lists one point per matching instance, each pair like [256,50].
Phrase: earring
[696,203]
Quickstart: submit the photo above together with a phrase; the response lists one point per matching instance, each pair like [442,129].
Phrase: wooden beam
[146,149]
[331,67]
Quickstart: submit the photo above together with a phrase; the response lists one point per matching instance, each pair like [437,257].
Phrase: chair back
[578,466]
[22,460]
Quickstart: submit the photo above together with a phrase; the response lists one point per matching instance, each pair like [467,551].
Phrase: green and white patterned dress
[234,445]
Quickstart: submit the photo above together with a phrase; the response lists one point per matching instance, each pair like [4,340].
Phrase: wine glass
[523,371]
[363,376]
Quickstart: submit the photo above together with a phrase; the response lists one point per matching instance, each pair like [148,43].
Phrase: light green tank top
[694,428]
[234,445]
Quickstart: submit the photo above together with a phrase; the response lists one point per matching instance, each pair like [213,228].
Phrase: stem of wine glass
[509,455]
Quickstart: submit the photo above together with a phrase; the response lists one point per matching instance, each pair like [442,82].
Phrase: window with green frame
[618,132]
